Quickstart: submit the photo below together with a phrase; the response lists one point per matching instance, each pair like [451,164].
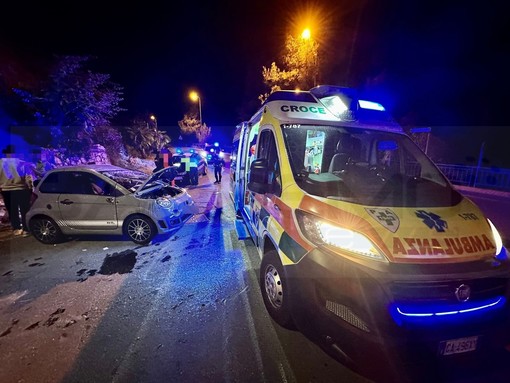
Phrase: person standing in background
[16,185]
[218,164]
[193,170]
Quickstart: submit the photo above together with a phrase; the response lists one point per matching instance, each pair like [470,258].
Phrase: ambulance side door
[260,207]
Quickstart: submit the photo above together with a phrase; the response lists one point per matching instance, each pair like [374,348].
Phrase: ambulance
[365,246]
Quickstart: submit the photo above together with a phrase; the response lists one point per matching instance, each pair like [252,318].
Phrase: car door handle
[110,200]
[66,202]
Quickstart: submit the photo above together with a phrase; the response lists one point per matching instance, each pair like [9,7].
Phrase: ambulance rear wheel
[273,287]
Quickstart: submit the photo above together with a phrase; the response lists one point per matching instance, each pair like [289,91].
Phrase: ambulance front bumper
[361,313]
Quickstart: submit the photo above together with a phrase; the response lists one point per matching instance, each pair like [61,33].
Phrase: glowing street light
[153,118]
[311,48]
[194,97]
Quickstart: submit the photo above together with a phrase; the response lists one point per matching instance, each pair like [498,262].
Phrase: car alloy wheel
[45,230]
[140,229]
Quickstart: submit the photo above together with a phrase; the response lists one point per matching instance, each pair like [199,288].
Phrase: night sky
[442,64]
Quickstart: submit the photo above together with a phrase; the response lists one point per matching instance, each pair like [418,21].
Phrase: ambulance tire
[272,286]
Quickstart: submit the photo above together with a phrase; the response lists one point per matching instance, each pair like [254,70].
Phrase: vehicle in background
[182,163]
[365,246]
[106,199]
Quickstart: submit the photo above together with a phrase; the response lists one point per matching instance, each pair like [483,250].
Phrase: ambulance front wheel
[273,288]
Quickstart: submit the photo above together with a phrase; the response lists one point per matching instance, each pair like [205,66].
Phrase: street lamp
[194,97]
[311,49]
[156,134]
[153,118]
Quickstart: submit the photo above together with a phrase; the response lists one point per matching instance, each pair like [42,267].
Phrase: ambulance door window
[268,150]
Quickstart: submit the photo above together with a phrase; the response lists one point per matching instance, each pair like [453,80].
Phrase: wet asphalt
[186,308]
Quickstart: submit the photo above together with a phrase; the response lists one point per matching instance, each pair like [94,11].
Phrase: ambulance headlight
[322,232]
[500,250]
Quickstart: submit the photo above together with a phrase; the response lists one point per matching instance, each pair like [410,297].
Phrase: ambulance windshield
[369,167]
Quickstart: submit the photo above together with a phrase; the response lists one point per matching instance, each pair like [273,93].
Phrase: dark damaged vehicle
[106,199]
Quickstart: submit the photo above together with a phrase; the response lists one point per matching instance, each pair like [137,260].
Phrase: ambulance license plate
[458,346]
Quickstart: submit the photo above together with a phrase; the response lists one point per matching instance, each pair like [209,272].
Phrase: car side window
[54,183]
[85,183]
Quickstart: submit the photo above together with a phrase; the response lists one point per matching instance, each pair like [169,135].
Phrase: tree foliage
[73,102]
[143,138]
[301,67]
[190,124]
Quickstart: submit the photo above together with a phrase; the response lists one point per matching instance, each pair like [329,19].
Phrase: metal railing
[485,178]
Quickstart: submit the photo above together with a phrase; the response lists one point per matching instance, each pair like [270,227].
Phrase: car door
[88,203]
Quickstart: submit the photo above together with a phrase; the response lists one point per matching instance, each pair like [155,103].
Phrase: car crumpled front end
[172,205]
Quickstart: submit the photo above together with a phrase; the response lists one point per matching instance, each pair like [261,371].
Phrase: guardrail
[484,178]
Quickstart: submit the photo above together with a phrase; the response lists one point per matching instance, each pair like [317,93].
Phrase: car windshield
[374,168]
[130,179]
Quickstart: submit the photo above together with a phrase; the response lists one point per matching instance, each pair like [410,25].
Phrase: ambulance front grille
[444,291]
[347,315]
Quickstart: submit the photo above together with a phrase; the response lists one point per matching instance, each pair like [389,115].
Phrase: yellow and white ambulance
[365,246]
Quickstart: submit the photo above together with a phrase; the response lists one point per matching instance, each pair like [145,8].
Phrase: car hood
[160,178]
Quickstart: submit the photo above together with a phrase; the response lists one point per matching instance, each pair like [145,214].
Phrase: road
[496,205]
[186,308]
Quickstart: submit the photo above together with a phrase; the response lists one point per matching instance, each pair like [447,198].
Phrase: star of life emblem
[385,217]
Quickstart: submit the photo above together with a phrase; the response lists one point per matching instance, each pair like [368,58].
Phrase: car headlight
[500,250]
[165,203]
[322,232]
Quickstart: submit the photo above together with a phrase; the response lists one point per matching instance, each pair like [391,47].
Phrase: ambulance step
[242,230]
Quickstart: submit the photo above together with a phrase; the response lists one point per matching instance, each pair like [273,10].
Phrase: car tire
[139,229]
[274,290]
[45,230]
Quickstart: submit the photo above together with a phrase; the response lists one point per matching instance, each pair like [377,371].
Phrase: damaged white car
[106,199]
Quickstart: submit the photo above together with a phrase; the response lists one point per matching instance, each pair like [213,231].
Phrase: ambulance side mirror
[259,176]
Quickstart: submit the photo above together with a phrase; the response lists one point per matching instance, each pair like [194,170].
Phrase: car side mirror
[259,177]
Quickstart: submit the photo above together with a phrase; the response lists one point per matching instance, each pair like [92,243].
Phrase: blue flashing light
[178,150]
[216,144]
[405,313]
[211,150]
[423,129]
[371,105]
[192,150]
[503,254]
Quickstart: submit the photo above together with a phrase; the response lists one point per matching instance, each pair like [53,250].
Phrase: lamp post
[311,49]
[194,96]
[156,134]
[153,118]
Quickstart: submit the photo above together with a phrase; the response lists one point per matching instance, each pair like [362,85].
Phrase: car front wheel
[140,229]
[45,230]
